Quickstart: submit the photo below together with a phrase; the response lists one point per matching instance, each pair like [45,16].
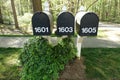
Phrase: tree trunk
[21,7]
[37,5]
[1,19]
[78,4]
[115,8]
[14,14]
[91,5]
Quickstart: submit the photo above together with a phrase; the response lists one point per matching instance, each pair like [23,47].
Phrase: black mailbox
[42,23]
[87,24]
[65,24]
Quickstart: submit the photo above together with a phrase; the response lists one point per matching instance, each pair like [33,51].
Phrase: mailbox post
[86,25]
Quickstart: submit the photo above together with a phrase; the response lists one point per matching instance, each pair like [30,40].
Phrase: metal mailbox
[42,23]
[65,24]
[87,23]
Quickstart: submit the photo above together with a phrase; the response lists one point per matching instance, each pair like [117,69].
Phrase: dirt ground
[10,30]
[75,70]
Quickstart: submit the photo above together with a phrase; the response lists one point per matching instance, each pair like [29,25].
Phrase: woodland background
[19,12]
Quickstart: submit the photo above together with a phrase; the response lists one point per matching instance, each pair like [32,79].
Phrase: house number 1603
[65,29]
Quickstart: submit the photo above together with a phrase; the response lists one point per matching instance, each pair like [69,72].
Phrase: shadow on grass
[102,63]
[9,65]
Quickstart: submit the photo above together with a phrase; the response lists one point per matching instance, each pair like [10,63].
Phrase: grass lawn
[101,63]
[9,64]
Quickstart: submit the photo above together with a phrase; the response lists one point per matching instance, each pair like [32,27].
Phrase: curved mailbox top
[41,24]
[65,24]
[88,24]
[89,19]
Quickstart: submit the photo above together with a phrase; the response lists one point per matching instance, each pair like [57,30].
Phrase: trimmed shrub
[42,61]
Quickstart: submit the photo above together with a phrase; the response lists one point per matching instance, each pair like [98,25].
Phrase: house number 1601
[41,29]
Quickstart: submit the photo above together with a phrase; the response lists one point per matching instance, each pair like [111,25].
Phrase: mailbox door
[65,24]
[41,24]
[89,25]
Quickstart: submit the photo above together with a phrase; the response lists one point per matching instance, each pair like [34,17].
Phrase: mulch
[75,70]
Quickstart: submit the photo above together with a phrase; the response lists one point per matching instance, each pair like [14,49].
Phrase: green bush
[42,61]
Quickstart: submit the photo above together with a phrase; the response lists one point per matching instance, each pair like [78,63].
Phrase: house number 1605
[89,30]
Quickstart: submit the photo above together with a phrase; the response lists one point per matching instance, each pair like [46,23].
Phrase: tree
[91,5]
[1,19]
[115,7]
[37,5]
[78,4]
[14,14]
